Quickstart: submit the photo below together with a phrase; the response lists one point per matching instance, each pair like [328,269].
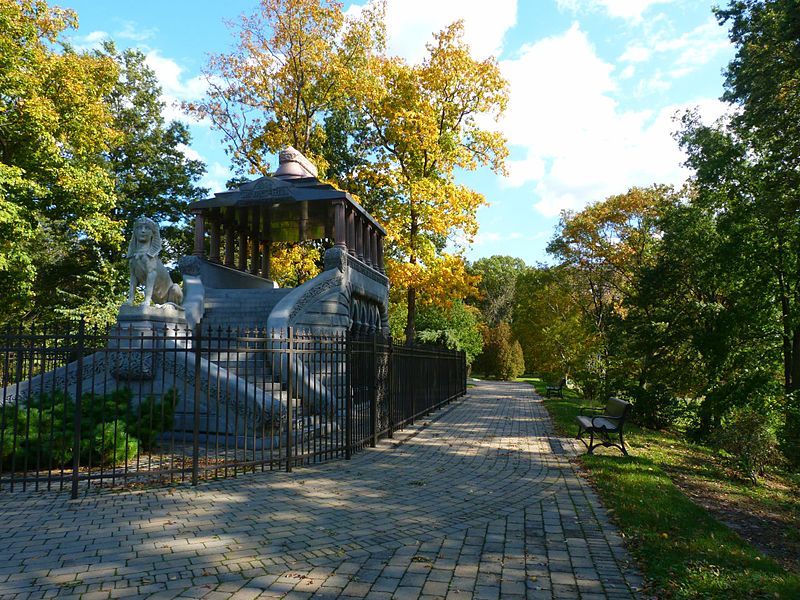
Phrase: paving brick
[471,501]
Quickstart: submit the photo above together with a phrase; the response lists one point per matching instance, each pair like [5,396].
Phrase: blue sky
[594,87]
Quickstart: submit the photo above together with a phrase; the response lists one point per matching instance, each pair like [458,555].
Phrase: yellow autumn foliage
[294,264]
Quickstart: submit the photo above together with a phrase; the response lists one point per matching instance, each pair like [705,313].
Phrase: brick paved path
[479,501]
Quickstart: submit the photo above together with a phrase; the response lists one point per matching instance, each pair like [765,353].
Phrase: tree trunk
[412,316]
[789,381]
[794,361]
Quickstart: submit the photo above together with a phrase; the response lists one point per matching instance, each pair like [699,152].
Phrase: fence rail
[83,409]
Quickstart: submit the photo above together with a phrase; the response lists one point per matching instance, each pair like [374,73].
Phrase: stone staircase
[236,320]
[230,316]
[239,309]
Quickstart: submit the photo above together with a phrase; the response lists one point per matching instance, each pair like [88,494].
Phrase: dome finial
[292,165]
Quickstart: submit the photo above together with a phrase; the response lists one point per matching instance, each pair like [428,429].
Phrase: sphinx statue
[146,267]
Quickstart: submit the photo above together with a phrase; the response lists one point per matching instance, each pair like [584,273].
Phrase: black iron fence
[163,404]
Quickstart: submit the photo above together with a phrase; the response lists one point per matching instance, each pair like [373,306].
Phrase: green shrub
[502,356]
[655,406]
[517,362]
[747,433]
[34,435]
[109,445]
[41,433]
[455,327]
[152,417]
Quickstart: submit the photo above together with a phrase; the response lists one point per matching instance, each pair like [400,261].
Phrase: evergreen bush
[502,356]
[40,434]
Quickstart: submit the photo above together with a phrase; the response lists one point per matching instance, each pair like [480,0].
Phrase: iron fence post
[412,389]
[197,344]
[373,402]
[463,373]
[348,418]
[389,388]
[289,394]
[76,443]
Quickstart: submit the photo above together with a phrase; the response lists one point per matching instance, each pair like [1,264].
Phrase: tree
[294,264]
[699,317]
[289,70]
[762,78]
[497,286]
[605,248]
[456,327]
[56,194]
[424,124]
[549,324]
[153,177]
[764,135]
[745,188]
[84,149]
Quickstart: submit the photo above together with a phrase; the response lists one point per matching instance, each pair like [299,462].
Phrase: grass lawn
[686,552]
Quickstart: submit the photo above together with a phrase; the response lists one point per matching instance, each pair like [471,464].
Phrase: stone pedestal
[138,335]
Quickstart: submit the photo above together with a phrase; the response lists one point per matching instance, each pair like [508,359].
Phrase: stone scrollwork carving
[312,294]
[336,258]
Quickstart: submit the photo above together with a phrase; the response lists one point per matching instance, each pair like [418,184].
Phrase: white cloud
[189,153]
[131,31]
[489,237]
[91,41]
[630,10]
[656,84]
[578,144]
[627,72]
[527,169]
[635,53]
[94,39]
[176,89]
[411,24]
[216,176]
[169,74]
[686,52]
[551,78]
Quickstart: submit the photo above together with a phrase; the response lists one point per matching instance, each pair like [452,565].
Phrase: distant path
[472,503]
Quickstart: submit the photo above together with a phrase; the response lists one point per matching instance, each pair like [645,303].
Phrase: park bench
[557,390]
[607,422]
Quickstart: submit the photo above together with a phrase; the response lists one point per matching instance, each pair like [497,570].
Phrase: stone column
[367,244]
[303,225]
[199,233]
[351,232]
[339,226]
[359,238]
[255,241]
[267,238]
[230,225]
[215,235]
[381,267]
[242,265]
[373,248]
